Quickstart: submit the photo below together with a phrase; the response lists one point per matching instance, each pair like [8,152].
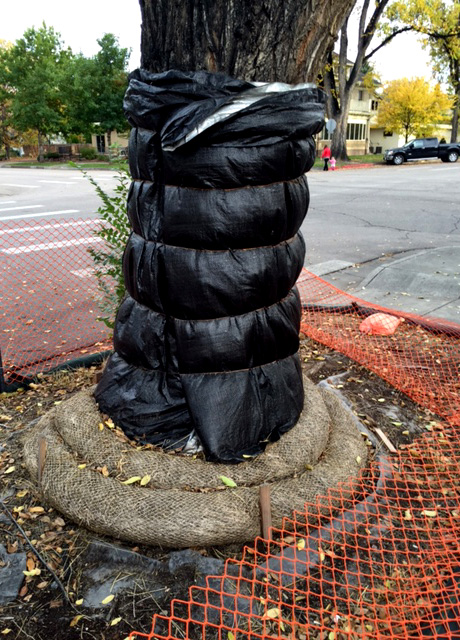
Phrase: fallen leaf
[273,613]
[145,480]
[81,466]
[301,544]
[6,631]
[36,510]
[132,480]
[21,494]
[115,621]
[230,636]
[108,599]
[30,564]
[10,470]
[358,459]
[79,602]
[407,515]
[75,620]
[405,433]
[429,514]
[42,585]
[228,482]
[33,572]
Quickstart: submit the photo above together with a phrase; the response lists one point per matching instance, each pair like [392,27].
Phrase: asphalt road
[363,215]
[358,221]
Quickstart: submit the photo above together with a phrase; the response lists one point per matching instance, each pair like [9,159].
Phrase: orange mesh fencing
[48,298]
[378,561]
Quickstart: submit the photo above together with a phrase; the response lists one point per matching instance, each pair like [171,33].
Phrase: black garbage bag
[206,340]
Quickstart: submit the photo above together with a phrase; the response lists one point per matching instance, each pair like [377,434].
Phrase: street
[359,222]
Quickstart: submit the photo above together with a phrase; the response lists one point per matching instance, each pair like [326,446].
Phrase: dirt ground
[42,611]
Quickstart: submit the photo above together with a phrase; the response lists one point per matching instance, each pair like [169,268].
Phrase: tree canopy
[438,23]
[413,107]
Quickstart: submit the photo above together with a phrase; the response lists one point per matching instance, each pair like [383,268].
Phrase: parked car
[423,149]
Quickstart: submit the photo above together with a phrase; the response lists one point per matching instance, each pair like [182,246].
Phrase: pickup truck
[423,149]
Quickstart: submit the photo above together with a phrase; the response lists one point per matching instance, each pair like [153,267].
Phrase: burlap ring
[185,502]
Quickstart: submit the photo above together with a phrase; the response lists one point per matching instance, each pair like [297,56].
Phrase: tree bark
[264,40]
[41,157]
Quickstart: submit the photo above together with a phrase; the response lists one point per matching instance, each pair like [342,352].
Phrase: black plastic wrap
[207,337]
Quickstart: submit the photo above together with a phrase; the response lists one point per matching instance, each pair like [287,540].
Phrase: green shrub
[114,232]
[51,155]
[88,153]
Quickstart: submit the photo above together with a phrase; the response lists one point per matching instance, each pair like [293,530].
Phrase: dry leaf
[115,621]
[105,472]
[21,494]
[407,515]
[36,510]
[79,602]
[33,572]
[429,514]
[30,564]
[81,466]
[42,585]
[230,636]
[6,631]
[10,470]
[301,544]
[145,480]
[132,480]
[273,613]
[108,599]
[75,620]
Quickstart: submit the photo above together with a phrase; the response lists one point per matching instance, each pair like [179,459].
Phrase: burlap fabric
[185,502]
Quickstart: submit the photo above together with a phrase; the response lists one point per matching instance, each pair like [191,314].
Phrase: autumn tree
[341,76]
[438,23]
[6,130]
[412,107]
[263,40]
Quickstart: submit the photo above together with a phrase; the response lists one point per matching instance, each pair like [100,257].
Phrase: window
[100,143]
[388,134]
[360,95]
[374,105]
[418,144]
[356,131]
[325,135]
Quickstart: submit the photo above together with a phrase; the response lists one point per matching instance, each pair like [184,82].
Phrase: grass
[67,165]
[370,158]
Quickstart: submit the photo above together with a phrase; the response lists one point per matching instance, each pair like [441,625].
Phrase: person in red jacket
[326,156]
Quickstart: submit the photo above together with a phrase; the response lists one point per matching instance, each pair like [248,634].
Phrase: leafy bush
[114,232]
[52,155]
[88,153]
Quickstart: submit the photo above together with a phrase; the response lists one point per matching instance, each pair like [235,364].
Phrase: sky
[82,22]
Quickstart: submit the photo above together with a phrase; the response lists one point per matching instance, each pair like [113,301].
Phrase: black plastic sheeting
[206,341]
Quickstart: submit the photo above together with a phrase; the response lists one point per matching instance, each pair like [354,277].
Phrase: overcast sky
[82,22]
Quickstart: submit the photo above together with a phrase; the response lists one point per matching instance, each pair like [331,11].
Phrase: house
[100,142]
[381,140]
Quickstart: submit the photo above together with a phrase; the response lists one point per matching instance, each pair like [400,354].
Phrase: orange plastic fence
[379,561]
[48,307]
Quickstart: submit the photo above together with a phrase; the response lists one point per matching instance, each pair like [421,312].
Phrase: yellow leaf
[132,480]
[105,471]
[322,555]
[273,613]
[145,480]
[115,621]
[301,544]
[36,509]
[380,399]
[110,424]
[405,433]
[429,514]
[108,599]
[358,459]
[308,467]
[79,602]
[5,631]
[101,426]
[331,635]
[10,469]
[33,572]
[407,515]
[230,636]
[21,494]
[228,482]
[75,620]
[18,509]
[81,466]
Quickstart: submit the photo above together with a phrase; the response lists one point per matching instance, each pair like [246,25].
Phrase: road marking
[95,178]
[46,246]
[9,202]
[83,273]
[25,186]
[57,225]
[56,182]
[29,206]
[42,214]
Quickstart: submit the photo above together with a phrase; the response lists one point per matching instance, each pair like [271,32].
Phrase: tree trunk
[109,141]
[339,137]
[41,157]
[454,134]
[265,40]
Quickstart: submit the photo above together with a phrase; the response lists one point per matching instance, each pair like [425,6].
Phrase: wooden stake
[265,510]
[387,442]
